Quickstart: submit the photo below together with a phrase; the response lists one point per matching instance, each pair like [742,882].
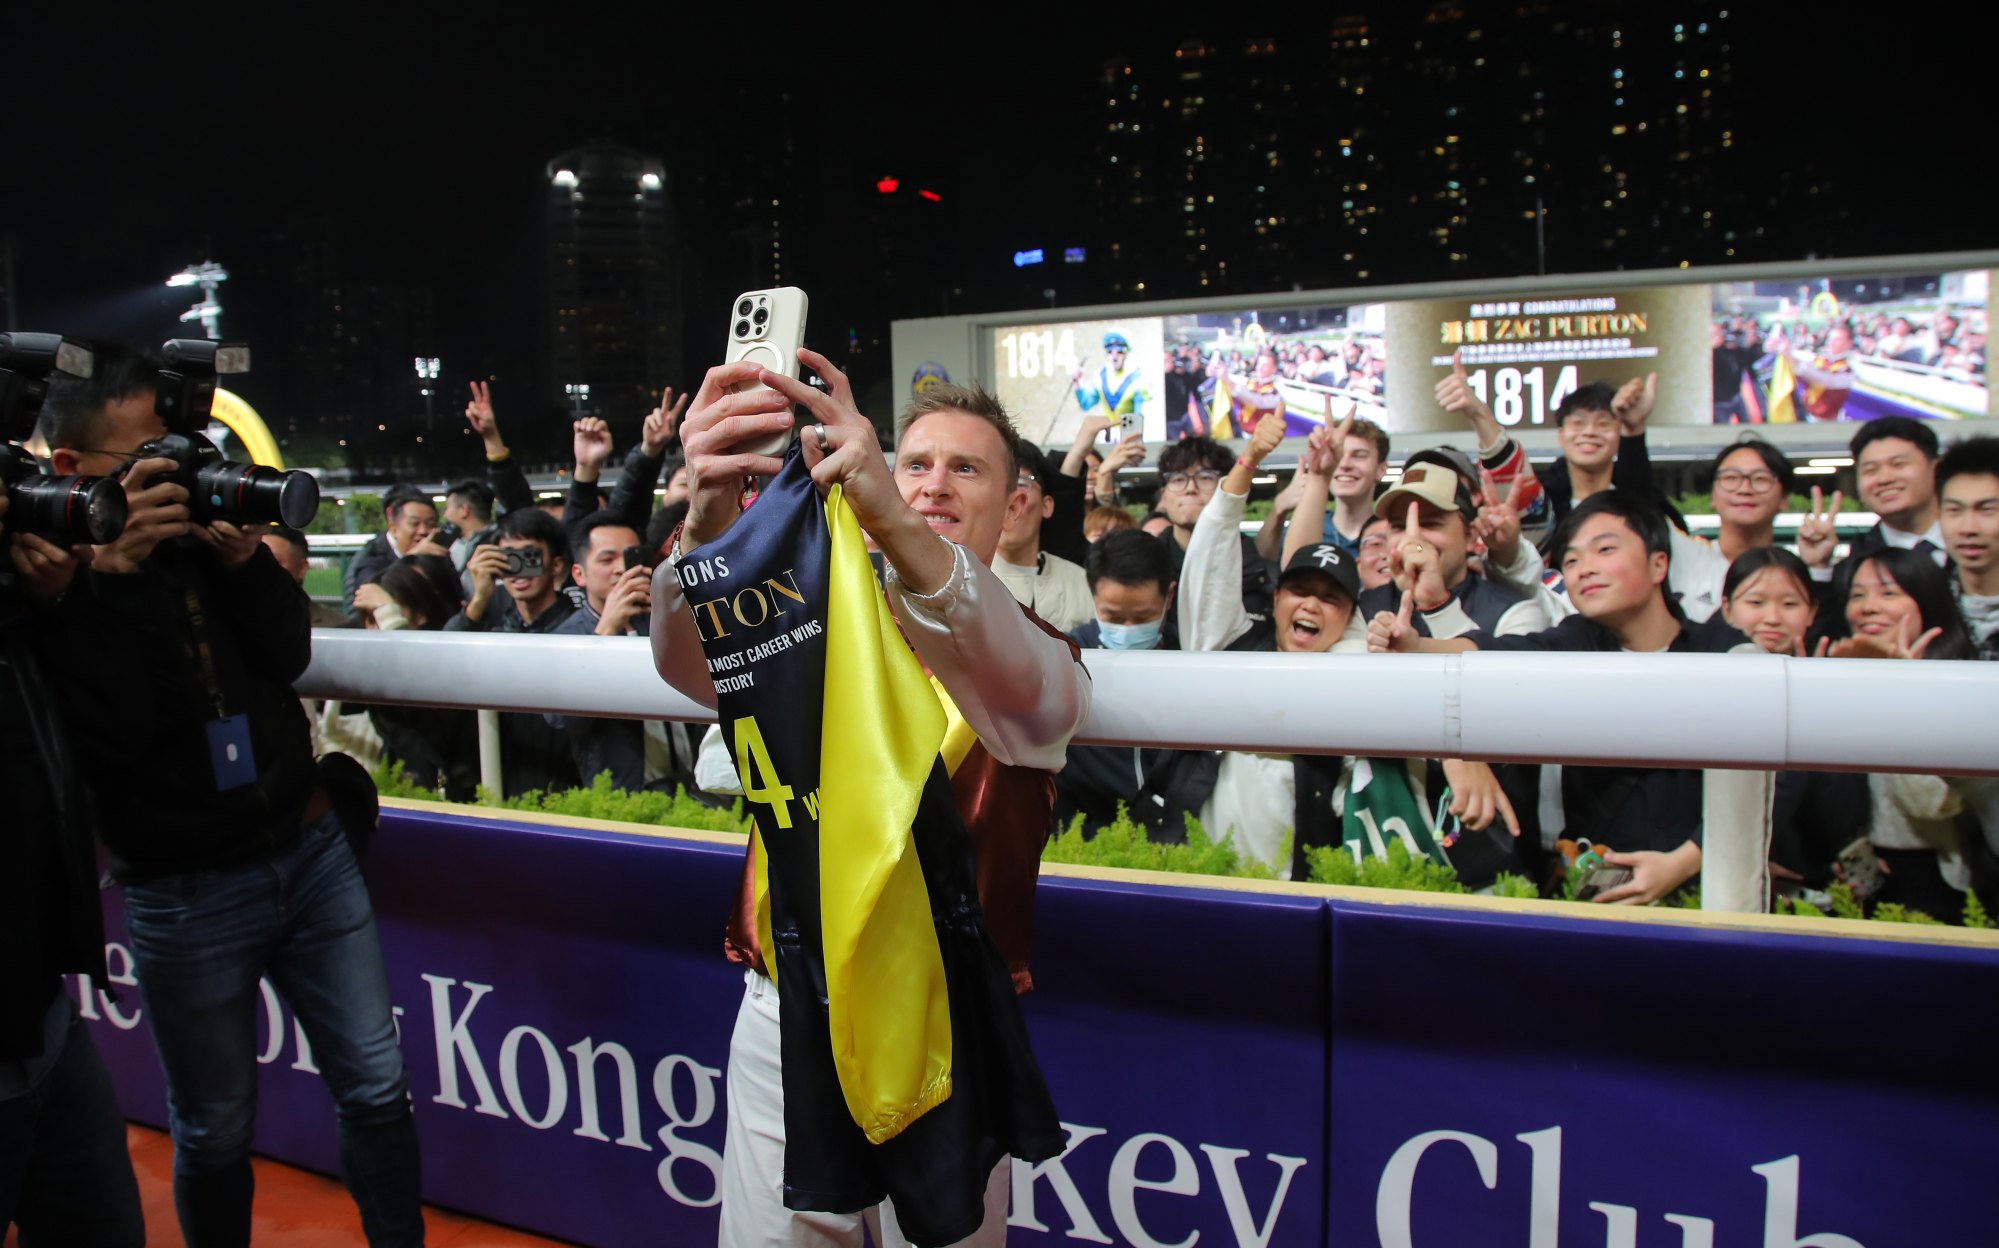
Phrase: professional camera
[217,488]
[62,509]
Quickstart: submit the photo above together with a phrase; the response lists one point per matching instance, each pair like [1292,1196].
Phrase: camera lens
[763,314]
[742,329]
[256,494]
[76,509]
[743,308]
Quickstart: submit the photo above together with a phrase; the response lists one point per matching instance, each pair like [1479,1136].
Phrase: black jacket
[1158,787]
[121,650]
[50,921]
[1632,472]
[533,754]
[366,567]
[1259,582]
[1626,808]
[631,498]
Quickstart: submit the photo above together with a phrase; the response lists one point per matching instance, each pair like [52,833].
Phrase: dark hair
[291,537]
[1370,522]
[535,525]
[659,530]
[1756,559]
[972,400]
[1130,557]
[1920,578]
[1924,437]
[1194,454]
[580,533]
[1968,457]
[1641,517]
[73,414]
[1597,396]
[417,592]
[401,496]
[478,498]
[1150,516]
[1772,458]
[443,576]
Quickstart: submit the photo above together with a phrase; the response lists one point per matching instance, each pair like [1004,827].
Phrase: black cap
[1330,560]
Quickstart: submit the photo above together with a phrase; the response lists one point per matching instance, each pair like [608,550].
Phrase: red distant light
[887,186]
[932,196]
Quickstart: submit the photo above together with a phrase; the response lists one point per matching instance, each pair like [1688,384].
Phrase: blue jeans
[200,943]
[65,1177]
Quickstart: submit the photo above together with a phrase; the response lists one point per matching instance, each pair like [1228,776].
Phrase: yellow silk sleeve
[888,1009]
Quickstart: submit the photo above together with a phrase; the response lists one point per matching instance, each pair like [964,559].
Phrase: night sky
[137,145]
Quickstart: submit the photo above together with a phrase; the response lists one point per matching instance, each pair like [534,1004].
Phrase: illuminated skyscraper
[614,281]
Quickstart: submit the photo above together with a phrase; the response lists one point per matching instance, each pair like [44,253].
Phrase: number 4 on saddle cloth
[907,1070]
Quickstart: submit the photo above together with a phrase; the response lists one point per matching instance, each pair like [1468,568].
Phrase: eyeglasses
[1205,480]
[1754,482]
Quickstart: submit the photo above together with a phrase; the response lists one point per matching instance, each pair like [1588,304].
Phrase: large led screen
[1799,350]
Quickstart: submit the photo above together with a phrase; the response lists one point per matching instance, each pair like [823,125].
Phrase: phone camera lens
[743,308]
[763,314]
[742,329]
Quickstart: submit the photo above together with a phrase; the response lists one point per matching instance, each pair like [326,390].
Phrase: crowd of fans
[1246,359]
[1747,354]
[1472,550]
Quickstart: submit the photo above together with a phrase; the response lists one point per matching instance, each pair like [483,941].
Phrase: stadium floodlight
[208,275]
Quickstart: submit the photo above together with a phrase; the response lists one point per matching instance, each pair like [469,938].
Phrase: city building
[1411,142]
[614,283]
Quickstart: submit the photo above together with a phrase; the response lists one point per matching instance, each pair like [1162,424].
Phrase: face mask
[1131,636]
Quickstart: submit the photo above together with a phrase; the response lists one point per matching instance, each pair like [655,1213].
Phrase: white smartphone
[766,327]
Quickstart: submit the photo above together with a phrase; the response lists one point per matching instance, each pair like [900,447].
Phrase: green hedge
[599,801]
[1125,844]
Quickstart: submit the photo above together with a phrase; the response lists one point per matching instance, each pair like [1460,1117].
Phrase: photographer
[65,1176]
[174,653]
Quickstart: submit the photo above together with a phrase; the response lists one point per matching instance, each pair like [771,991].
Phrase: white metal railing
[1720,711]
[1737,716]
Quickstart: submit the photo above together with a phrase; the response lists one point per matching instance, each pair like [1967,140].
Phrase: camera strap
[200,653]
[230,751]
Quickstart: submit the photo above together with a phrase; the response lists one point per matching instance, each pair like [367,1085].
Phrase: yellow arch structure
[242,420]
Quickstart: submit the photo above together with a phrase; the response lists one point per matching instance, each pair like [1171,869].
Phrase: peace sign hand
[1498,522]
[479,414]
[661,422]
[1817,535]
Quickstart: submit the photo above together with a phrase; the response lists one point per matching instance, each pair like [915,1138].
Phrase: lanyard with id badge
[229,752]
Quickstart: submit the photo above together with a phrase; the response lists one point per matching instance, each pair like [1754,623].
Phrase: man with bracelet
[937,519]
